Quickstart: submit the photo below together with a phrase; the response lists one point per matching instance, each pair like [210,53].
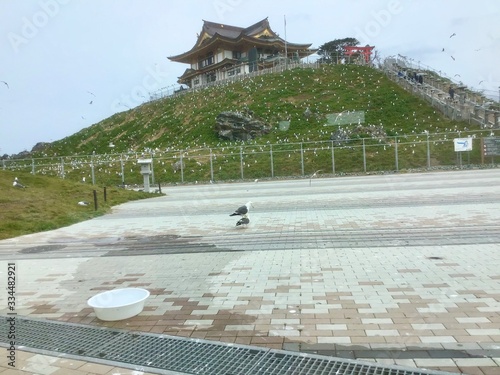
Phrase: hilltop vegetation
[187,121]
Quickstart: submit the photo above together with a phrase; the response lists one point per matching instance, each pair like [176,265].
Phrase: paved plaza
[401,269]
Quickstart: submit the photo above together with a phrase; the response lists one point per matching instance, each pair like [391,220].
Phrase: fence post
[62,168]
[182,168]
[272,161]
[241,162]
[428,152]
[396,153]
[211,167]
[333,159]
[92,170]
[302,157]
[364,155]
[122,169]
[95,200]
[152,171]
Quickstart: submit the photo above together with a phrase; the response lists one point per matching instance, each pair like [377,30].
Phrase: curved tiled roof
[213,33]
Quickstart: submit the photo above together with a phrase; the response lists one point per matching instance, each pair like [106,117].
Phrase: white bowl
[118,304]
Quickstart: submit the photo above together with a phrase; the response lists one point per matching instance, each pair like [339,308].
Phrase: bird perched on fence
[243,221]
[17,184]
[243,210]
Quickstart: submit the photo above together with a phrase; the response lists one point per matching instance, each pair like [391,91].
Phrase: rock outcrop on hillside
[240,126]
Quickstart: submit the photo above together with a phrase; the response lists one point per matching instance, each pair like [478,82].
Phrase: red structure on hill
[365,51]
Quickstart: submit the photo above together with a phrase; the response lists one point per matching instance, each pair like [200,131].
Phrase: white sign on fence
[463,144]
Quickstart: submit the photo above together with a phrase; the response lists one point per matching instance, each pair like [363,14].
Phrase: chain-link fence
[281,160]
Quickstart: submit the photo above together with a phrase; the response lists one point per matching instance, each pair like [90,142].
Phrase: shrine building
[223,51]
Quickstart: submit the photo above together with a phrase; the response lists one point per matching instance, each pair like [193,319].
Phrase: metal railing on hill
[278,68]
[392,154]
[462,104]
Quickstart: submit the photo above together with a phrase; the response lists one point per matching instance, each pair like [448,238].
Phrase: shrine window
[208,60]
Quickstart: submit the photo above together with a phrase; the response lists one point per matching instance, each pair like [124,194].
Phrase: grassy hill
[188,120]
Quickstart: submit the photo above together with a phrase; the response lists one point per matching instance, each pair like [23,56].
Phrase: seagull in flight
[6,84]
[91,102]
[91,93]
[452,35]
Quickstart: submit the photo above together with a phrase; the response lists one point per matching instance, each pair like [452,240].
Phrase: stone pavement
[398,269]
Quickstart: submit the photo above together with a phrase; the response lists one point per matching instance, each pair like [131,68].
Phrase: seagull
[314,175]
[91,93]
[457,75]
[17,184]
[480,82]
[243,221]
[452,35]
[339,115]
[6,84]
[442,50]
[91,102]
[243,210]
[452,58]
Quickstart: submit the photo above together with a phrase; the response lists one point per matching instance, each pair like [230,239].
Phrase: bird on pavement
[243,210]
[243,221]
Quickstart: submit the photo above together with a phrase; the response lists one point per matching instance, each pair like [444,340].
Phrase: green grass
[49,203]
[189,120]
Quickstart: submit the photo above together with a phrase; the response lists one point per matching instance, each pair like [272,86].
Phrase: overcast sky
[58,56]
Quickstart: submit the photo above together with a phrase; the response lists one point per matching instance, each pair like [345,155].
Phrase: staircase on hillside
[458,105]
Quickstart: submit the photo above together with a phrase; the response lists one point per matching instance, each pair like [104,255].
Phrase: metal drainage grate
[182,355]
